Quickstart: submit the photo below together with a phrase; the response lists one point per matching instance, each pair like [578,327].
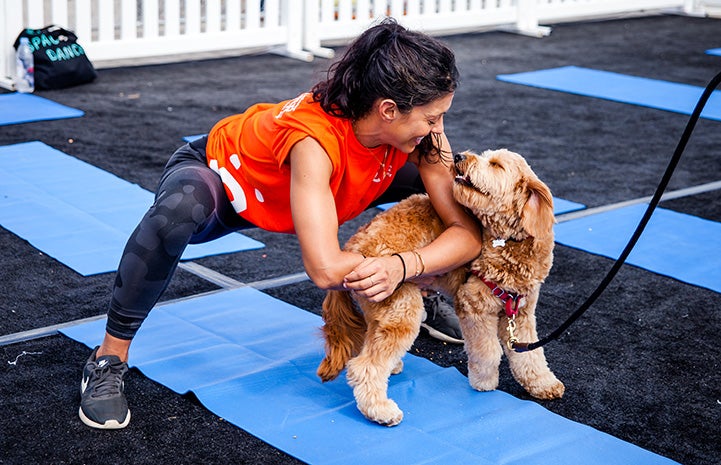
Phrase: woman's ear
[388,110]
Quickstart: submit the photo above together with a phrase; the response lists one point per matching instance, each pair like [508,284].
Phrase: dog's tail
[343,331]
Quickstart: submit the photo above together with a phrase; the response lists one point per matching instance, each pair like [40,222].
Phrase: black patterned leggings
[190,207]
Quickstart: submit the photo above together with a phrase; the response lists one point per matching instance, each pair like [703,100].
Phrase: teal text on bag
[43,41]
[65,53]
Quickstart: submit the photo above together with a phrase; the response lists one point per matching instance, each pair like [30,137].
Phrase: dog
[497,289]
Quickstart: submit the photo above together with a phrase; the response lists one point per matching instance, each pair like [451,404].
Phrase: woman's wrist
[412,264]
[420,266]
[405,269]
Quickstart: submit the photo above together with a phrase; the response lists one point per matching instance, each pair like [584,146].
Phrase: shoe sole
[110,424]
[434,333]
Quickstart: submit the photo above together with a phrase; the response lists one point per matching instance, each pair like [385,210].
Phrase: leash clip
[512,339]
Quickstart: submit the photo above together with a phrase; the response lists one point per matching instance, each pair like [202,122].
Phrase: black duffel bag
[59,60]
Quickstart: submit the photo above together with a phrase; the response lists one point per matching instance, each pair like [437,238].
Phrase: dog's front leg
[530,369]
[390,334]
[478,317]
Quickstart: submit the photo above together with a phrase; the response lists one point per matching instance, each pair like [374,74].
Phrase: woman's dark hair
[388,61]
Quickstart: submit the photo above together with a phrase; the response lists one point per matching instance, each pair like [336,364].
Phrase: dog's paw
[327,371]
[547,389]
[487,381]
[483,384]
[385,413]
[398,368]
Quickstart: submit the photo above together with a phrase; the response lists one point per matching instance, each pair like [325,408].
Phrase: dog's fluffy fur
[501,190]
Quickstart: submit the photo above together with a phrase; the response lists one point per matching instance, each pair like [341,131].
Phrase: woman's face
[410,128]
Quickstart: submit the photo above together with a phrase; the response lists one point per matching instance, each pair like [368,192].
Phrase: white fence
[126,31]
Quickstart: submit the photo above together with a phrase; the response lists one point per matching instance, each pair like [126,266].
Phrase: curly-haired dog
[500,286]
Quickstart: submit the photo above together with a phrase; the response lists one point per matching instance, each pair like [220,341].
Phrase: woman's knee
[185,200]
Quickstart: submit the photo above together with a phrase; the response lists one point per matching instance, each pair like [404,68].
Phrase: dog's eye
[495,164]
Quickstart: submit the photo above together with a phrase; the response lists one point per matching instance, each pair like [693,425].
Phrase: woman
[372,132]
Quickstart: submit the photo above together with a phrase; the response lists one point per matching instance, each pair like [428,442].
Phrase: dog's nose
[459,157]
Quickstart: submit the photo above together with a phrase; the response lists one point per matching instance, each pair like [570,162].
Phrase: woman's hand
[376,278]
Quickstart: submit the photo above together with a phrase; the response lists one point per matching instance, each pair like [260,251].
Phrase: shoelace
[109,379]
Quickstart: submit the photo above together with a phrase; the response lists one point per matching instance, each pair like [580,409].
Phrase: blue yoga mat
[251,359]
[673,244]
[18,108]
[560,206]
[77,213]
[662,95]
[193,137]
[714,51]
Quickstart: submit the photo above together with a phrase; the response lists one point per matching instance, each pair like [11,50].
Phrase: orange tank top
[250,153]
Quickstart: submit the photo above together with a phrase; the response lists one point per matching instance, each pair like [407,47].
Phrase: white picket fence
[134,31]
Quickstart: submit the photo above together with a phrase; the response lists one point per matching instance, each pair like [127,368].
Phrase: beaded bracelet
[403,262]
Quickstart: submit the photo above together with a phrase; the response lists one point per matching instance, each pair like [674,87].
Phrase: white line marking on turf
[712,186]
[54,329]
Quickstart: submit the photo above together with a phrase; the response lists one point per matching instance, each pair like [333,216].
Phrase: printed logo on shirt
[291,105]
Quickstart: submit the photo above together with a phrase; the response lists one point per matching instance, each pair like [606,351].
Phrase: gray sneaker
[102,401]
[440,319]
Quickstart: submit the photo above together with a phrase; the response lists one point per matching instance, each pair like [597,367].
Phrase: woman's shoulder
[306,115]
[305,107]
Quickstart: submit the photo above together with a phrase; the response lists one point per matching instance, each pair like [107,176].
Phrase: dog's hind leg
[344,330]
[389,336]
[530,368]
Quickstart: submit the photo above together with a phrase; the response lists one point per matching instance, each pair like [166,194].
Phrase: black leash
[526,346]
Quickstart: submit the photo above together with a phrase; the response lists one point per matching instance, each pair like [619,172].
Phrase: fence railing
[128,31]
[134,30]
[334,21]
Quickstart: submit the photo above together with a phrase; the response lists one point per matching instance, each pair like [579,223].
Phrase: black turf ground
[643,364]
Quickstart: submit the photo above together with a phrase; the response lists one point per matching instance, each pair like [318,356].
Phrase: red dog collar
[511,300]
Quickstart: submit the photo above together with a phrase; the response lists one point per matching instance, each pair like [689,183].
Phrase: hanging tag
[499,243]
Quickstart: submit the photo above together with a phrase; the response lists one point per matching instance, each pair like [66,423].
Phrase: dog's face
[498,186]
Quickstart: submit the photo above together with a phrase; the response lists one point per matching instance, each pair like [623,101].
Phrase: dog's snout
[459,157]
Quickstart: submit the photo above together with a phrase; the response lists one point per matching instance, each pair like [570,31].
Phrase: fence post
[696,7]
[710,7]
[527,20]
[292,18]
[311,41]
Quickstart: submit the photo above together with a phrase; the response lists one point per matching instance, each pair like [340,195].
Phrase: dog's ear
[537,217]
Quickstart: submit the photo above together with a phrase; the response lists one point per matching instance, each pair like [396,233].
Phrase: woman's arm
[461,241]
[315,218]
[457,245]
